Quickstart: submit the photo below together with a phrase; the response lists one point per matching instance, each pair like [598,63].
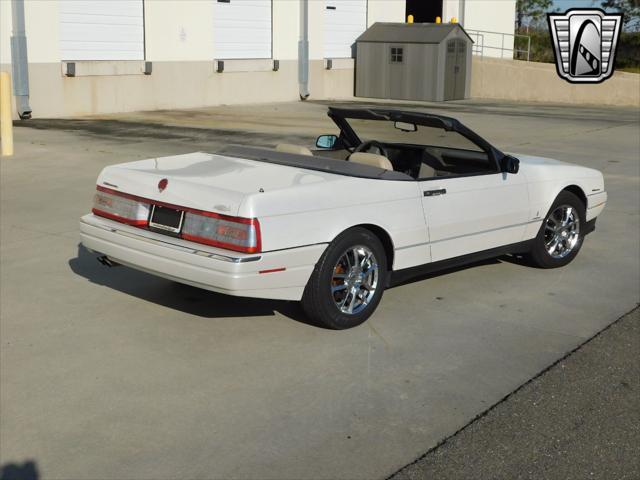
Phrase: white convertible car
[395,193]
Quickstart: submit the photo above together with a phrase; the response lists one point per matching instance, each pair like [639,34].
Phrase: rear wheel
[561,234]
[348,280]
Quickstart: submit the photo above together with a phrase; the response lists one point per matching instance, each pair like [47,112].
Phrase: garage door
[242,29]
[344,21]
[101,30]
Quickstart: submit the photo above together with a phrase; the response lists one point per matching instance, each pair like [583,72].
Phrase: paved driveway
[112,373]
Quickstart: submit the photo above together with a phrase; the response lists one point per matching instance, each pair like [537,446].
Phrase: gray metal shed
[414,61]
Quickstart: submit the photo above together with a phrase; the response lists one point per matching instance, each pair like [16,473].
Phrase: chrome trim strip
[469,234]
[215,256]
[596,193]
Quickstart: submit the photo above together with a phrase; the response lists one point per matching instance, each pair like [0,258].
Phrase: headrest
[372,159]
[289,148]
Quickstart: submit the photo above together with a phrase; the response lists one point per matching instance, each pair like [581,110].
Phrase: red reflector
[273,270]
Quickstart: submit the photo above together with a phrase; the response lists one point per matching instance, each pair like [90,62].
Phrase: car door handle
[433,193]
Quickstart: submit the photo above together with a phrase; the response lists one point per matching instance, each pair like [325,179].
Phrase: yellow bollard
[6,122]
[454,20]
[438,20]
[410,19]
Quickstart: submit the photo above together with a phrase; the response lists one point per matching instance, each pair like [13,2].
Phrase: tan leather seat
[289,148]
[372,159]
[426,171]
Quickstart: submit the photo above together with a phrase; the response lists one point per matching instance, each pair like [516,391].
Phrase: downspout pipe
[303,51]
[19,61]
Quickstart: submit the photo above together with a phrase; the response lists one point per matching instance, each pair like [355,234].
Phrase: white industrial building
[100,56]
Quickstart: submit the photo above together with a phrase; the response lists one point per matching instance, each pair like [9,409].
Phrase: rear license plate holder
[166,220]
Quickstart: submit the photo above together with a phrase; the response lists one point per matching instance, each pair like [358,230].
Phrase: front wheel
[561,234]
[347,283]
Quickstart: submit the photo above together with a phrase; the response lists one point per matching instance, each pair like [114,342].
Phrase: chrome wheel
[562,231]
[354,280]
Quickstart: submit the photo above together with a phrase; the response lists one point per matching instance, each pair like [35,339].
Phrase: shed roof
[409,32]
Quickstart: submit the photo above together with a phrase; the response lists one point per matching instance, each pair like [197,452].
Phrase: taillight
[231,233]
[120,208]
[240,234]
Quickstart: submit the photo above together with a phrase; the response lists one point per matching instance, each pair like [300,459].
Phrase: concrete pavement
[580,419]
[112,373]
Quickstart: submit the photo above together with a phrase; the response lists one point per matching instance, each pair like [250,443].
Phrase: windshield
[384,131]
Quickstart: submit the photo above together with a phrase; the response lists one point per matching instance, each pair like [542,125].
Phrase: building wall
[491,17]
[178,30]
[179,43]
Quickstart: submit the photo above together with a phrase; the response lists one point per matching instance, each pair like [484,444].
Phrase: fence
[500,45]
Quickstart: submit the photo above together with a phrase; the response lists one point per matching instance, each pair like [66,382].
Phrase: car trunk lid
[201,181]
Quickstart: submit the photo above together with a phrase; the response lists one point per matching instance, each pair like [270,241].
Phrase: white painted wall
[344,21]
[316,29]
[182,30]
[5,32]
[43,30]
[286,29]
[385,11]
[489,16]
[452,9]
[178,30]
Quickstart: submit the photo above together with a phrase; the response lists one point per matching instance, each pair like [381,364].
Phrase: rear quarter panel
[318,213]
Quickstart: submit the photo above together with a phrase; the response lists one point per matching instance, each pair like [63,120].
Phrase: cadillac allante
[393,194]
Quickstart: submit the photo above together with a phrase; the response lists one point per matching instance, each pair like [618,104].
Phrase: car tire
[338,284]
[561,234]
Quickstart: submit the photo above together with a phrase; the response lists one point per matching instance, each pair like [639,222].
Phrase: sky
[563,5]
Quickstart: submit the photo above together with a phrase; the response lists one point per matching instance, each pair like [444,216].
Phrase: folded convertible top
[321,164]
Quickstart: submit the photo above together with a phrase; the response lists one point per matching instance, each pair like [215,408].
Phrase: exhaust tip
[107,262]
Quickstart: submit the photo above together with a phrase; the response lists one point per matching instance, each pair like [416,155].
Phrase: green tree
[629,8]
[532,10]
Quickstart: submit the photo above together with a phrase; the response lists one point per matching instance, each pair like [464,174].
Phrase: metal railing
[486,43]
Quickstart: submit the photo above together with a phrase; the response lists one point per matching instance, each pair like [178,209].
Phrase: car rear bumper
[223,271]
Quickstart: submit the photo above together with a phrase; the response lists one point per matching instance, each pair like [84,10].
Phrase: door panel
[344,21]
[101,30]
[470,214]
[450,68]
[461,67]
[242,29]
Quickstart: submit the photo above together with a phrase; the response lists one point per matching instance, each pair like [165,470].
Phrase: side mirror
[510,164]
[326,141]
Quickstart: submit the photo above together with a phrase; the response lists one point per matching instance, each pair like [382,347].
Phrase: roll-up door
[344,21]
[242,29]
[101,30]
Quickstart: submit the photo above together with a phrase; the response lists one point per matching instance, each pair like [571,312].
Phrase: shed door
[101,30]
[241,29]
[344,21]
[461,74]
[455,70]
